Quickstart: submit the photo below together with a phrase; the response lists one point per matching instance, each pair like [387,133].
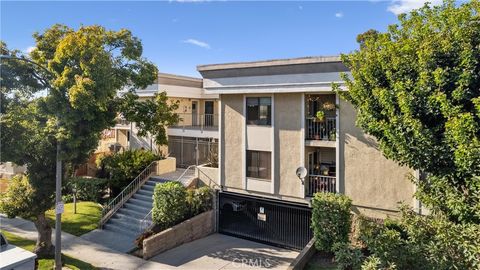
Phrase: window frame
[258,120]
[256,175]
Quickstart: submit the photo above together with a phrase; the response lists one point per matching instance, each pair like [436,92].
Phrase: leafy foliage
[169,204]
[416,88]
[18,199]
[330,219]
[86,188]
[82,70]
[173,203]
[121,168]
[422,242]
[347,256]
[199,200]
[151,116]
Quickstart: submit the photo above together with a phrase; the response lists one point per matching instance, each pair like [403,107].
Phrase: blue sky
[178,36]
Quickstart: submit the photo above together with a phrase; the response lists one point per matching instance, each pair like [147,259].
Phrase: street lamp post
[58,183]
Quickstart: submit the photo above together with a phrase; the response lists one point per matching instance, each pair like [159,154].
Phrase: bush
[330,219]
[18,198]
[347,257]
[421,242]
[199,200]
[169,204]
[87,188]
[122,168]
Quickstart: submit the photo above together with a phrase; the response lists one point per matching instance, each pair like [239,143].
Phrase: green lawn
[47,264]
[86,219]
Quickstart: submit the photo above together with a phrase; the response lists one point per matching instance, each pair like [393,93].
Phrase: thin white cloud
[339,14]
[403,6]
[29,49]
[197,42]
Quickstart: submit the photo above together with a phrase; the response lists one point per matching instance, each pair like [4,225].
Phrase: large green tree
[67,96]
[416,88]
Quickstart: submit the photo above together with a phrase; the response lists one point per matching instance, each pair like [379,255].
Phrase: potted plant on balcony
[332,136]
[329,106]
[320,116]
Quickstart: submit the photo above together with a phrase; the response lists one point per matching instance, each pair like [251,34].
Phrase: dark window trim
[258,165]
[257,121]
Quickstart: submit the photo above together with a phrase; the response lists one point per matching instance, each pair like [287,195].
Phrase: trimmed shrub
[199,200]
[87,189]
[169,204]
[330,219]
[122,168]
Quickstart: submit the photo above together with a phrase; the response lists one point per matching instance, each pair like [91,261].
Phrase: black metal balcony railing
[320,130]
[197,121]
[320,183]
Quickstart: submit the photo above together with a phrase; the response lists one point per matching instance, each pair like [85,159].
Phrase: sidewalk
[95,254]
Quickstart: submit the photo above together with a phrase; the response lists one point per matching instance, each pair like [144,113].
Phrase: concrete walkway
[87,251]
[222,252]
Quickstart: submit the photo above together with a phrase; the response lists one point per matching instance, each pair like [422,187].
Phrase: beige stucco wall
[374,183]
[287,141]
[232,141]
[208,175]
[189,230]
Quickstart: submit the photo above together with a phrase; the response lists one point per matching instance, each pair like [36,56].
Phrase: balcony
[197,121]
[323,130]
[320,183]
[122,123]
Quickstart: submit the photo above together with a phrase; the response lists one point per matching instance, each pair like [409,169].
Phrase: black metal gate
[268,221]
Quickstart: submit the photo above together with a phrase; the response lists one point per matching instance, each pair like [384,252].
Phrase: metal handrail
[184,172]
[115,204]
[147,221]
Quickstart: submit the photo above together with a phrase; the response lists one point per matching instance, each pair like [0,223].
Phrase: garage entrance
[263,220]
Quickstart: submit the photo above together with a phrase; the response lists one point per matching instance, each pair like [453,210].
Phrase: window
[259,164]
[259,111]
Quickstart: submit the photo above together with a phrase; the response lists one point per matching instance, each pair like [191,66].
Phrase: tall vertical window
[259,111]
[259,164]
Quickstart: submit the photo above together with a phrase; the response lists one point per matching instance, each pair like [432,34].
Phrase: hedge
[330,220]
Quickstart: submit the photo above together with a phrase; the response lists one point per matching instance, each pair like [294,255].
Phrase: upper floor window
[259,164]
[259,111]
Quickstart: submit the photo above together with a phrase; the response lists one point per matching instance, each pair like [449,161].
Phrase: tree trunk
[44,247]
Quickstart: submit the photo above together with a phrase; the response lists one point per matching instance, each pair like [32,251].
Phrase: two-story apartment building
[270,126]
[192,140]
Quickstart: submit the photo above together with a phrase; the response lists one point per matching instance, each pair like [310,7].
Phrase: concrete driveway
[219,251]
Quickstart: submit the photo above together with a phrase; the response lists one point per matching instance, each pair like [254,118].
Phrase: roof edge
[271,62]
[180,77]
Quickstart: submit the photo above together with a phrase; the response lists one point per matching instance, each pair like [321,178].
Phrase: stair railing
[147,222]
[185,172]
[112,207]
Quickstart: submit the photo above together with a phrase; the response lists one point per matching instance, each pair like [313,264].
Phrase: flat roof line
[272,62]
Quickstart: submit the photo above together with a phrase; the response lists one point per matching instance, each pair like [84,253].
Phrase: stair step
[131,213]
[158,179]
[138,208]
[148,187]
[147,204]
[126,224]
[145,192]
[114,227]
[151,183]
[129,218]
[143,197]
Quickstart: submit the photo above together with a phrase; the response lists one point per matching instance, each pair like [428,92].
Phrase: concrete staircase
[121,230]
